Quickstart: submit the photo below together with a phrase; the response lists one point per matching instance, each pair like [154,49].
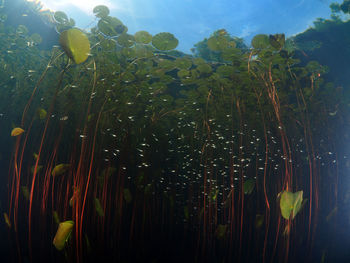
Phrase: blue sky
[193,20]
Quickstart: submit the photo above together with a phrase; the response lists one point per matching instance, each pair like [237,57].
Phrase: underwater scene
[119,147]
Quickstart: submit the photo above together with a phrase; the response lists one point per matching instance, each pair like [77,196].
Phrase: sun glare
[84,5]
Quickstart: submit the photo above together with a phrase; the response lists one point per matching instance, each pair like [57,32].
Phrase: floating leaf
[76,45]
[36,38]
[143,37]
[248,186]
[217,43]
[183,63]
[111,26]
[204,68]
[165,41]
[62,234]
[260,41]
[22,30]
[17,131]
[183,73]
[101,11]
[126,40]
[290,203]
[277,40]
[60,169]
[60,17]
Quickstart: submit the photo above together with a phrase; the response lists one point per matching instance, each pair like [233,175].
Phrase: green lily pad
[111,26]
[183,73]
[101,11]
[36,38]
[204,68]
[22,30]
[143,37]
[225,70]
[183,63]
[165,41]
[277,40]
[260,41]
[291,203]
[61,17]
[217,43]
[126,40]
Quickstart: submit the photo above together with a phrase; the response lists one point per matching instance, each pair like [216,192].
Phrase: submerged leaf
[127,196]
[17,131]
[62,234]
[248,186]
[60,169]
[290,203]
[99,208]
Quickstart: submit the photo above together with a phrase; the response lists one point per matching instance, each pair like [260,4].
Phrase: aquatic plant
[130,135]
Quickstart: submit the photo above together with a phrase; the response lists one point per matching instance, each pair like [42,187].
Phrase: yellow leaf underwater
[99,208]
[41,113]
[290,203]
[7,220]
[62,234]
[76,45]
[60,169]
[17,131]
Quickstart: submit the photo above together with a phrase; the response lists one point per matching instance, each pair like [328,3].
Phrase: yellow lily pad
[76,45]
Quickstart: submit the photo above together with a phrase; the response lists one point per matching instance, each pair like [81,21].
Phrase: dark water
[235,153]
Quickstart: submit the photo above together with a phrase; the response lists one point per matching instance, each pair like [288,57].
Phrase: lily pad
[260,41]
[76,44]
[183,63]
[217,43]
[60,17]
[101,11]
[126,40]
[36,38]
[143,37]
[111,26]
[277,40]
[22,30]
[165,41]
